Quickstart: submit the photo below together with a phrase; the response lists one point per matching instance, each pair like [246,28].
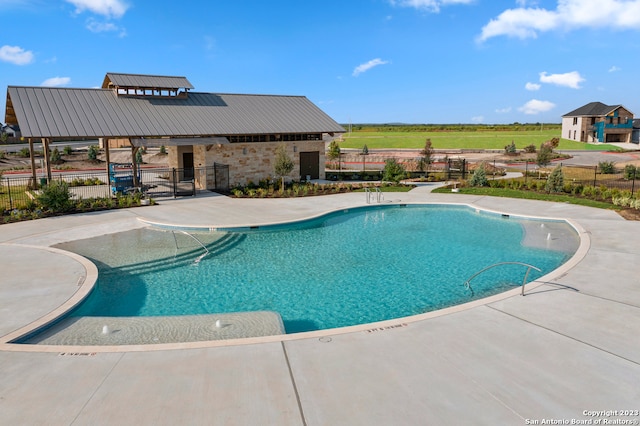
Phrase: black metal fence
[20,191]
[606,175]
[445,169]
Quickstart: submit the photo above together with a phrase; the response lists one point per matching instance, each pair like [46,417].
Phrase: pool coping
[92,275]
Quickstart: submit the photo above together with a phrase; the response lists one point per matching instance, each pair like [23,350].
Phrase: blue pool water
[346,268]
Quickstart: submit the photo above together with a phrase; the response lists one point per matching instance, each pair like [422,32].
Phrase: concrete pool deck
[568,348]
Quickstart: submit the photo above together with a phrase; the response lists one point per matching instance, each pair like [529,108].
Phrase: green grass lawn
[460,140]
[532,195]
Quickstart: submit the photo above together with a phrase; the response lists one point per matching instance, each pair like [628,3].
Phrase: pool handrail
[467,283]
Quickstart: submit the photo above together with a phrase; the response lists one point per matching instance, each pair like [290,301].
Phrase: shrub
[555,181]
[577,189]
[139,156]
[393,171]
[55,157]
[55,197]
[93,152]
[607,167]
[479,177]
[24,153]
[589,191]
[67,150]
[496,183]
[631,172]
[510,149]
[163,150]
[530,149]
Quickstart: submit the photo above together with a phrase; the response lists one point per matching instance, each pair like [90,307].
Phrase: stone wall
[248,162]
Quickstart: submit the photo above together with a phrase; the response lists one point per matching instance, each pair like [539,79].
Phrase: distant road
[591,158]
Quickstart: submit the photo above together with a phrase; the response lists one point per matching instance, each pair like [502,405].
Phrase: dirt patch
[630,214]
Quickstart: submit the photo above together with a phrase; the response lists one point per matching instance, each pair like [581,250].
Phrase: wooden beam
[47,161]
[107,158]
[34,176]
[134,165]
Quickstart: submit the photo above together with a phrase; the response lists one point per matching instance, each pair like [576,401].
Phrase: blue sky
[361,61]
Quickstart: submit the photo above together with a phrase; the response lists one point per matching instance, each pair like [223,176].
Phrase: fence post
[595,175]
[9,192]
[175,183]
[633,182]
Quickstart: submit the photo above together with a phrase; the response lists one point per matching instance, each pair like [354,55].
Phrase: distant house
[8,130]
[597,122]
[635,136]
[238,132]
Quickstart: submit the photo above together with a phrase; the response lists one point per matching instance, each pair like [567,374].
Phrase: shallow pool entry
[346,268]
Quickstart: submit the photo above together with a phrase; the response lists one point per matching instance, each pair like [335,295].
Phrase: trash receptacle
[43,182]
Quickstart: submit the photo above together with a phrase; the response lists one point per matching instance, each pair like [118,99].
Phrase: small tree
[555,181]
[334,151]
[55,156]
[364,153]
[283,164]
[93,152]
[393,171]
[631,172]
[479,177]
[427,156]
[510,149]
[554,142]
[4,136]
[544,154]
[139,156]
[163,150]
[56,197]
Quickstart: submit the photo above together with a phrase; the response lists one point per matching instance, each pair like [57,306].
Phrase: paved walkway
[569,347]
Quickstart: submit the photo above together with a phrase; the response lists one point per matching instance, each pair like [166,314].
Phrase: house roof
[52,112]
[593,109]
[145,81]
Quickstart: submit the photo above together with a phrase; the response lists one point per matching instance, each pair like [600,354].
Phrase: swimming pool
[349,267]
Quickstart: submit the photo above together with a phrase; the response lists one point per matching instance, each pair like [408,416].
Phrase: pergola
[149,110]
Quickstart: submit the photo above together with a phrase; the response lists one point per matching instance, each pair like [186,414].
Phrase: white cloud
[477,119]
[56,82]
[107,8]
[101,27]
[429,5]
[368,65]
[16,55]
[503,110]
[535,106]
[528,22]
[532,86]
[614,69]
[570,79]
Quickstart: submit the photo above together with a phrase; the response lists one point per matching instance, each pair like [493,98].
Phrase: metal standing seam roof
[593,109]
[91,113]
[146,81]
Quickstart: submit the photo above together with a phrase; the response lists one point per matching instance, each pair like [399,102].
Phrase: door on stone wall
[187,165]
[310,165]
